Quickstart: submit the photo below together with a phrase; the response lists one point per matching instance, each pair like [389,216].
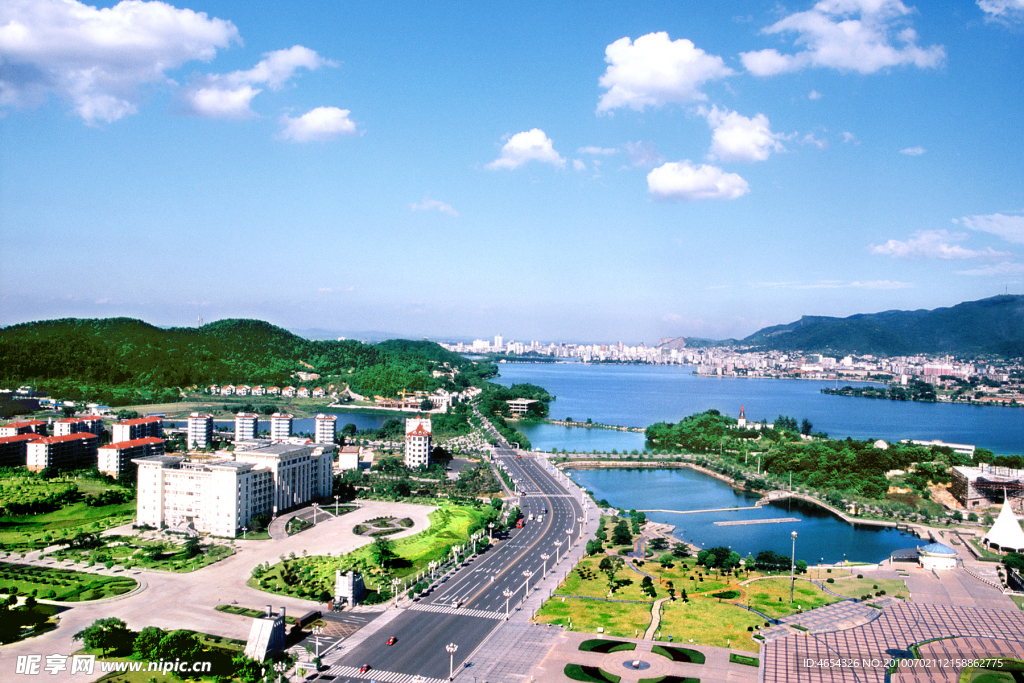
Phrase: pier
[776,520]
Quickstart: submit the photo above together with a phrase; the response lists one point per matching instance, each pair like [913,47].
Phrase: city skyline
[632,171]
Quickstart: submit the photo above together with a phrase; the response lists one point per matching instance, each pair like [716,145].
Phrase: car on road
[392,640]
[364,668]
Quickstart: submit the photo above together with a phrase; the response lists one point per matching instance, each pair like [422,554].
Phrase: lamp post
[317,630]
[526,584]
[792,568]
[394,588]
[315,507]
[568,534]
[244,529]
[580,520]
[545,557]
[336,505]
[280,668]
[558,544]
[490,530]
[451,648]
[508,595]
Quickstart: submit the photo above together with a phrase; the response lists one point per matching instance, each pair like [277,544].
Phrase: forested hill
[993,326]
[124,351]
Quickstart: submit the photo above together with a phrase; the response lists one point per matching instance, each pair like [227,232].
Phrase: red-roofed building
[417,441]
[138,428]
[14,449]
[24,427]
[115,459]
[65,452]
[76,425]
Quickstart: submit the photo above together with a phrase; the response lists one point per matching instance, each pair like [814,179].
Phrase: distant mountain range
[988,327]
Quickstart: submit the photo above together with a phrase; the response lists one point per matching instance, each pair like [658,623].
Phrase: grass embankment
[61,584]
[308,577]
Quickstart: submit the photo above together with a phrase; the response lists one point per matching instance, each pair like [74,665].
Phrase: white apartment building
[247,426]
[325,428]
[417,441]
[65,452]
[200,430]
[140,428]
[281,426]
[24,427]
[221,497]
[76,425]
[116,459]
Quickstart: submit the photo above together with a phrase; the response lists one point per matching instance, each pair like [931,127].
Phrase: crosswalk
[448,609]
[383,676]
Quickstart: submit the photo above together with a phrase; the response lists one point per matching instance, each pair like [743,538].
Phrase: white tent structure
[1006,533]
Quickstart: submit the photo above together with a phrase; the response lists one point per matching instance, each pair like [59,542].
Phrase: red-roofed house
[319,392]
[303,392]
[417,441]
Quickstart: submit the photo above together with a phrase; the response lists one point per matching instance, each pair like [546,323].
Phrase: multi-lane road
[472,601]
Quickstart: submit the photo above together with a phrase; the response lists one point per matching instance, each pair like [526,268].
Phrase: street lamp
[317,630]
[526,584]
[568,533]
[394,589]
[244,529]
[280,668]
[581,520]
[336,505]
[792,568]
[545,557]
[450,648]
[508,595]
[315,507]
[490,529]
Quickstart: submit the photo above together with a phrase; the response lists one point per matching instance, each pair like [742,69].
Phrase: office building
[417,441]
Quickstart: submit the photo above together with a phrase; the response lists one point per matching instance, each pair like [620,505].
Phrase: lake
[820,535]
[640,395]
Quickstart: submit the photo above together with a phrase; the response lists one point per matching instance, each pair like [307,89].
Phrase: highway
[480,586]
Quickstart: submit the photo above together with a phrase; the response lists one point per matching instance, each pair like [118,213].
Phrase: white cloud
[642,154]
[429,204]
[849,35]
[1004,268]
[738,138]
[322,123]
[228,96]
[686,182]
[530,145]
[579,165]
[935,244]
[814,95]
[809,139]
[1010,228]
[1003,10]
[850,137]
[913,151]
[599,151]
[655,70]
[98,59]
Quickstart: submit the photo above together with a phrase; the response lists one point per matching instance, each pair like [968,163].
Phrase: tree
[145,646]
[681,550]
[381,551]
[425,404]
[179,644]
[594,546]
[1014,561]
[658,543]
[104,634]
[806,426]
[620,534]
[191,546]
[247,670]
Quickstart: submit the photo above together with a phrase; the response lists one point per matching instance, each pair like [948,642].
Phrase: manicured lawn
[30,531]
[606,646]
[61,584]
[623,620]
[708,622]
[679,654]
[771,596]
[133,551]
[589,674]
[855,588]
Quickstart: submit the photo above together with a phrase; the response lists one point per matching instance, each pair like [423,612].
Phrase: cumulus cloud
[686,182]
[320,124]
[429,204]
[850,35]
[913,151]
[1010,228]
[99,58]
[738,138]
[655,70]
[1002,10]
[935,244]
[229,95]
[530,145]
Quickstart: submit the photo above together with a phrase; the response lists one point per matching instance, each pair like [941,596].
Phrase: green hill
[122,353]
[993,326]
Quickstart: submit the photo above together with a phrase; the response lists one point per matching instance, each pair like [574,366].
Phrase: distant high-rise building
[280,426]
[247,426]
[498,343]
[325,428]
[139,428]
[417,441]
[200,430]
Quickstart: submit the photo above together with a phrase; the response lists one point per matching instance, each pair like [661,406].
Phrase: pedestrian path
[448,609]
[375,675]
[652,630]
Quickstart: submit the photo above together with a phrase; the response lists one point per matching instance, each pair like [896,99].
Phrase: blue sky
[589,171]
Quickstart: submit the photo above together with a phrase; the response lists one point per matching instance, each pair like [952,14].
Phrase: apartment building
[23,427]
[77,425]
[115,459]
[325,428]
[221,497]
[140,428]
[247,426]
[200,430]
[14,449]
[417,441]
[64,452]
[281,426]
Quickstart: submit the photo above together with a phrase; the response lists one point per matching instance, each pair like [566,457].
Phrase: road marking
[462,611]
[374,674]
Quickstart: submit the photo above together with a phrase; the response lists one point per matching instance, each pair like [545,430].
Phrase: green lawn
[624,620]
[856,588]
[132,551]
[708,622]
[32,531]
[61,584]
[771,596]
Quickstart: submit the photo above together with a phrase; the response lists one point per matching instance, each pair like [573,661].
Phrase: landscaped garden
[60,584]
[168,552]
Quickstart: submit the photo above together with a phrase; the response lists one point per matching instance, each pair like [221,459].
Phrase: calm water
[302,425]
[640,395]
[820,536]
